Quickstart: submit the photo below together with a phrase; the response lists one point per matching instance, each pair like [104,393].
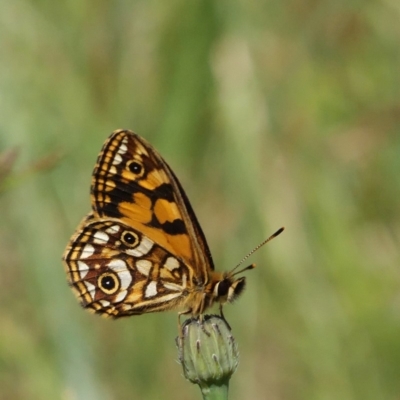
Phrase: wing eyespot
[136,168]
[130,239]
[108,283]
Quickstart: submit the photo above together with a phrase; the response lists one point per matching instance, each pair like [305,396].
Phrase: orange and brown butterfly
[141,248]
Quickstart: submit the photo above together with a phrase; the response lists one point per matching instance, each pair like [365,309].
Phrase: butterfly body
[141,248]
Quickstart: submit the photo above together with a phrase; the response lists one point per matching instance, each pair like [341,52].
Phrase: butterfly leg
[223,316]
[179,321]
[179,339]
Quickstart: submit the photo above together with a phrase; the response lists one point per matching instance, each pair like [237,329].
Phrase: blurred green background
[271,113]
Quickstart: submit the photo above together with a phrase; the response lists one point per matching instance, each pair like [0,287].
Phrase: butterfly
[141,248]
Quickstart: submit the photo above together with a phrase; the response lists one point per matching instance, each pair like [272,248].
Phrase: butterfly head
[228,289]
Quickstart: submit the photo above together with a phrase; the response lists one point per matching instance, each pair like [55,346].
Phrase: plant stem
[215,392]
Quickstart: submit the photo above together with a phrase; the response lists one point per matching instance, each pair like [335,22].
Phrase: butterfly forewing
[131,182]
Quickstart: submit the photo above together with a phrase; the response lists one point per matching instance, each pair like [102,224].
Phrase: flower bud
[207,351]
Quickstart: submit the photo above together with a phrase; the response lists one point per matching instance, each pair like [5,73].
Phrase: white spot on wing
[126,279]
[101,237]
[172,286]
[117,159]
[122,148]
[121,295]
[90,288]
[105,303]
[151,289]
[83,269]
[171,263]
[113,229]
[144,267]
[146,244]
[120,267]
[144,247]
[87,251]
[117,265]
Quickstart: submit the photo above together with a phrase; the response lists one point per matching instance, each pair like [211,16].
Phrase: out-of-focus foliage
[271,113]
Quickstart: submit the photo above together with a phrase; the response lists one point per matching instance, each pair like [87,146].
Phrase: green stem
[214,392]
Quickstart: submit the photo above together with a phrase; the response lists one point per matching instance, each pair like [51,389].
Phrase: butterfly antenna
[251,266]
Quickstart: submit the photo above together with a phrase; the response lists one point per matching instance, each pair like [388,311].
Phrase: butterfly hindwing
[118,271]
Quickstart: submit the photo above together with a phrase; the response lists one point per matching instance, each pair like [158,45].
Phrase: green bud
[208,352]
